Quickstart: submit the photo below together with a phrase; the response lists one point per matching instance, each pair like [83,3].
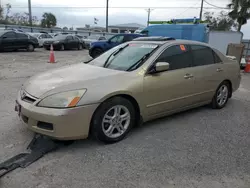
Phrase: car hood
[67,78]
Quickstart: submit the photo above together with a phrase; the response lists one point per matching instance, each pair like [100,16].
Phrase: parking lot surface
[199,148]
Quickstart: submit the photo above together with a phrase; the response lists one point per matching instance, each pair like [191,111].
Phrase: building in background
[124,28]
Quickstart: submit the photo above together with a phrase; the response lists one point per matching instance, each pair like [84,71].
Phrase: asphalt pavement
[200,148]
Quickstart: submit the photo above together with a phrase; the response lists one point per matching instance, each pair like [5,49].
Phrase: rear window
[202,55]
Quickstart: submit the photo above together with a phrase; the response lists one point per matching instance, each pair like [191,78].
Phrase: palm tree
[240,12]
[48,20]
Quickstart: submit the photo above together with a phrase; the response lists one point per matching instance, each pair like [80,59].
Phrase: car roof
[154,38]
[177,41]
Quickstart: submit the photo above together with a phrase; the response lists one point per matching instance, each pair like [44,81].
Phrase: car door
[69,42]
[42,38]
[9,40]
[207,71]
[115,41]
[76,42]
[173,89]
[21,40]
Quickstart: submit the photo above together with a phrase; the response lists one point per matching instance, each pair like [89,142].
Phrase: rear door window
[21,36]
[69,38]
[217,59]
[128,38]
[202,55]
[178,57]
[9,35]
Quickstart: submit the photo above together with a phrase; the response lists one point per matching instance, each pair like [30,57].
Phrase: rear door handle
[219,70]
[188,76]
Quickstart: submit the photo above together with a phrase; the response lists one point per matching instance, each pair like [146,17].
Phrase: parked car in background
[98,47]
[63,42]
[12,40]
[41,37]
[144,80]
[92,38]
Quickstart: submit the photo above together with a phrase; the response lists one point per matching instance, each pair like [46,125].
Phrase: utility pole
[201,12]
[30,14]
[107,15]
[149,11]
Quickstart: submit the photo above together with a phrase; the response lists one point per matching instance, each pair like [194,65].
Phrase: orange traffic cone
[247,68]
[52,55]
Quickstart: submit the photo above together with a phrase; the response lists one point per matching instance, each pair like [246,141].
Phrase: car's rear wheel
[113,120]
[221,96]
[30,48]
[62,48]
[96,52]
[80,47]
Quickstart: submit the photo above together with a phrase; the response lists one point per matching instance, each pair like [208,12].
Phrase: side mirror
[159,67]
[109,41]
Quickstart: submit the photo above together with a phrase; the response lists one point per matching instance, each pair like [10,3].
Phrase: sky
[77,13]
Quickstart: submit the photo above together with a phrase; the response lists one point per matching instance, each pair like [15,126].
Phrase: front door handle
[219,70]
[188,76]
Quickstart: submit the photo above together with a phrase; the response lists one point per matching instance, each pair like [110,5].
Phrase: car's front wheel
[113,120]
[96,52]
[221,96]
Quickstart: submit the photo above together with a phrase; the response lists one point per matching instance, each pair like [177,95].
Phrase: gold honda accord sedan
[132,83]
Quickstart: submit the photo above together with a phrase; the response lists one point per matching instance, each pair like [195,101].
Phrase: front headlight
[56,41]
[63,100]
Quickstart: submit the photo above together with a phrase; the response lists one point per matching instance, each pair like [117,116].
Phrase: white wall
[221,39]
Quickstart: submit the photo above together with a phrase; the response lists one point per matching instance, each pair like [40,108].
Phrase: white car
[41,37]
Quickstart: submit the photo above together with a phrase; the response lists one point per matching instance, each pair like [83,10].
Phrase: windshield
[93,37]
[60,37]
[126,58]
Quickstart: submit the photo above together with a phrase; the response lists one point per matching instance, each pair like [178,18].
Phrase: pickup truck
[99,47]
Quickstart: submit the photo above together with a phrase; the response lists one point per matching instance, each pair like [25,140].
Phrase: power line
[186,10]
[215,5]
[119,7]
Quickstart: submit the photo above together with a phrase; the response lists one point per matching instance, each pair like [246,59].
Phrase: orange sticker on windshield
[182,47]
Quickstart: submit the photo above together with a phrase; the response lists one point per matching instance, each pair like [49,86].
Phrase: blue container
[196,32]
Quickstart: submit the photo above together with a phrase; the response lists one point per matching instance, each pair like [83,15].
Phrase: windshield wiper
[140,61]
[114,54]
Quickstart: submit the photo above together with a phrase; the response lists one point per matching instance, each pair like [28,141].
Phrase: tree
[48,20]
[222,22]
[16,18]
[240,12]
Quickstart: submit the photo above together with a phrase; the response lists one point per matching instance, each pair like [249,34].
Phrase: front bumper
[56,46]
[61,124]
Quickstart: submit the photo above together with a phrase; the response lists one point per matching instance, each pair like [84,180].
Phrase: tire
[80,47]
[30,48]
[62,48]
[108,126]
[224,92]
[96,52]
